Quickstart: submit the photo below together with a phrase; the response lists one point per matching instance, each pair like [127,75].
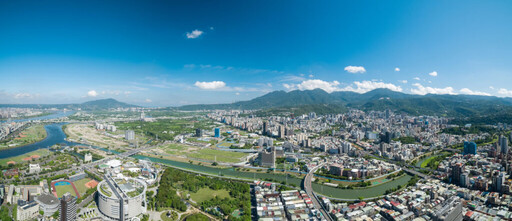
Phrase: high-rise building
[199,132]
[265,128]
[217,132]
[129,135]
[457,171]
[469,148]
[281,131]
[503,145]
[67,210]
[464,180]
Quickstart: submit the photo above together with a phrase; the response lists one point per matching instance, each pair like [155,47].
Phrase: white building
[28,211]
[129,135]
[88,158]
[34,168]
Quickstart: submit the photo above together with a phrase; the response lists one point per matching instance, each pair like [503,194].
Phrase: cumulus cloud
[404,81]
[194,34]
[422,90]
[355,69]
[470,92]
[92,93]
[316,83]
[213,85]
[504,92]
[417,78]
[433,73]
[365,86]
[148,100]
[397,69]
[329,87]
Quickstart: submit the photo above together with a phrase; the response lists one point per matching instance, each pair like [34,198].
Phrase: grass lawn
[64,189]
[174,216]
[222,156]
[30,135]
[175,148]
[19,159]
[225,144]
[206,194]
[80,185]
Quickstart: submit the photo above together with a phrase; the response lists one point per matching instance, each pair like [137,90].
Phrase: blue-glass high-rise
[470,148]
[217,132]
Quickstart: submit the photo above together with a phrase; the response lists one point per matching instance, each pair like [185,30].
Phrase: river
[55,115]
[55,135]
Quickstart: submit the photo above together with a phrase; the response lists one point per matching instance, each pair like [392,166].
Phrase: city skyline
[172,54]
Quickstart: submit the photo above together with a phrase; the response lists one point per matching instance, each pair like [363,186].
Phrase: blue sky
[171,53]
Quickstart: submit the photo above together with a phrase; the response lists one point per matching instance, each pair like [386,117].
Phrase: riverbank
[350,194]
[27,136]
[25,157]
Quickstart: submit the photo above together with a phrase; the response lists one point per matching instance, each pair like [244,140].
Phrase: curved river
[55,135]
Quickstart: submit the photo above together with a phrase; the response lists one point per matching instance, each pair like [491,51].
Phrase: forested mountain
[379,99]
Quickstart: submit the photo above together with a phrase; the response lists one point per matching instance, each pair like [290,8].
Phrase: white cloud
[237,93]
[355,69]
[397,69]
[213,85]
[504,92]
[433,73]
[311,76]
[417,78]
[365,86]
[316,83]
[92,93]
[329,87]
[403,81]
[422,90]
[148,100]
[470,92]
[491,87]
[194,34]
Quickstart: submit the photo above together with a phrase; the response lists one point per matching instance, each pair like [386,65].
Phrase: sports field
[62,187]
[84,184]
[19,159]
[30,135]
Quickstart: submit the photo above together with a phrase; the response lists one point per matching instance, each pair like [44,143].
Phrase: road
[309,190]
[80,168]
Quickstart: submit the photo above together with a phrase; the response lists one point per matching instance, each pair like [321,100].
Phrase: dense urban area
[134,163]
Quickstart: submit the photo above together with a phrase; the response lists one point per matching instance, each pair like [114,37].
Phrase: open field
[185,152]
[80,185]
[218,155]
[89,133]
[206,194]
[19,159]
[30,135]
[168,128]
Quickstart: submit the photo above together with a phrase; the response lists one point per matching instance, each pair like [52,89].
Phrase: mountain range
[103,104]
[378,99]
